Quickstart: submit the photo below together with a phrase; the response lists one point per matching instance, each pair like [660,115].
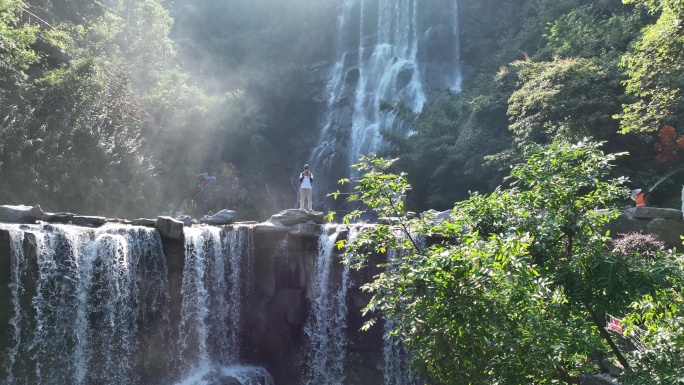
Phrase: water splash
[664,177]
[245,375]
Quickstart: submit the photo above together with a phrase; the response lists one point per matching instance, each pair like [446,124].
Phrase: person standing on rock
[305,187]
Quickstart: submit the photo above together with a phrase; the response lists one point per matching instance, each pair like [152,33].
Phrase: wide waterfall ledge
[91,300]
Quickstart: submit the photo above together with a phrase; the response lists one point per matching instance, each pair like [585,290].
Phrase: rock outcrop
[666,224]
[292,217]
[21,214]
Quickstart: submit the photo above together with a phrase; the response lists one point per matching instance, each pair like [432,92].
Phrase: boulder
[21,214]
[389,220]
[119,221]
[435,215]
[169,227]
[306,230]
[654,212]
[292,217]
[222,217]
[269,227]
[215,377]
[88,221]
[186,220]
[667,230]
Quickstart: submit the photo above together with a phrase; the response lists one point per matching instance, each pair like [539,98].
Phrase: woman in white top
[306,184]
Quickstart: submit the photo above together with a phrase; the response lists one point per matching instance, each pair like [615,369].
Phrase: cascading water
[75,308]
[100,306]
[396,368]
[92,306]
[326,326]
[387,50]
[212,290]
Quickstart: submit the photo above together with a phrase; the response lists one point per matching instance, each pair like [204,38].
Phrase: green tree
[654,69]
[16,54]
[563,99]
[513,288]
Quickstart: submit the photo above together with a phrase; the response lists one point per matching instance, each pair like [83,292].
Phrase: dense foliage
[515,286]
[541,70]
[201,86]
[105,108]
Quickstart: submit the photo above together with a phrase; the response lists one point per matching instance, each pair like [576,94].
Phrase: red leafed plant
[669,144]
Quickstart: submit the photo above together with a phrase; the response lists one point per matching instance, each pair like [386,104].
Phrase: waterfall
[92,306]
[396,369]
[212,292]
[396,358]
[326,327]
[386,50]
[75,307]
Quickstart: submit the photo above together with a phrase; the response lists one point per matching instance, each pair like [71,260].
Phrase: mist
[244,90]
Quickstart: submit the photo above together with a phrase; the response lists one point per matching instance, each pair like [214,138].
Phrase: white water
[212,297]
[378,59]
[246,375]
[396,368]
[75,307]
[92,306]
[327,324]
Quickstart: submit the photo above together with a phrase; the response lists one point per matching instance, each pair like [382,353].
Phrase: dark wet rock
[146,222]
[601,379]
[20,214]
[58,217]
[215,377]
[186,220]
[169,227]
[306,230]
[88,221]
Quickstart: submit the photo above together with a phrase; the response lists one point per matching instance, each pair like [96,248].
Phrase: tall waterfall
[75,309]
[386,50]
